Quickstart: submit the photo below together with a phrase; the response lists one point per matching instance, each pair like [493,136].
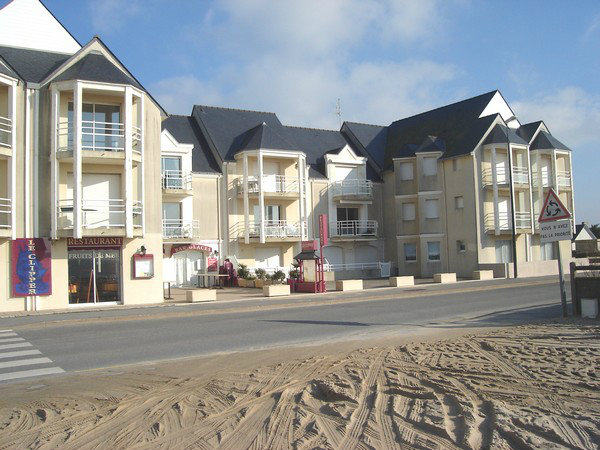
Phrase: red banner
[31,272]
[212,264]
[323,230]
[308,246]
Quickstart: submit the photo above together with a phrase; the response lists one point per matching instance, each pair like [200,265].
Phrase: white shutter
[408,211]
[430,166]
[406,171]
[431,209]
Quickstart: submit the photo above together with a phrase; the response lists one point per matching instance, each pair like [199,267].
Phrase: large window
[410,252]
[101,127]
[431,208]
[408,211]
[433,251]
[171,172]
[94,275]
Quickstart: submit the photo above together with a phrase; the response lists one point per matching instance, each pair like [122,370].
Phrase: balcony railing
[563,178]
[271,184]
[278,229]
[5,132]
[522,220]
[98,136]
[352,188]
[353,228]
[5,213]
[180,229]
[544,179]
[176,179]
[520,175]
[109,213]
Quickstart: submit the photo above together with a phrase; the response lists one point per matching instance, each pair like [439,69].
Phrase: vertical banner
[323,230]
[31,272]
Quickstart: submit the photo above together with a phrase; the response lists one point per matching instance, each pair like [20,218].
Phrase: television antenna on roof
[338,111]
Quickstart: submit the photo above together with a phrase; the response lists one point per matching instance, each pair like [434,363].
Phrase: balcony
[100,141]
[353,189]
[176,183]
[174,229]
[5,217]
[520,176]
[522,221]
[98,215]
[563,178]
[274,230]
[353,229]
[545,180]
[5,135]
[272,186]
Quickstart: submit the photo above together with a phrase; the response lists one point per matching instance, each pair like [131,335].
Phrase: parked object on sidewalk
[444,278]
[349,285]
[200,295]
[276,290]
[402,281]
[483,275]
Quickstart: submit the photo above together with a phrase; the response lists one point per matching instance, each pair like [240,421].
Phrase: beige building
[79,156]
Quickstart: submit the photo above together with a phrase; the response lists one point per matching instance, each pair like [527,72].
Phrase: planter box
[261,283]
[483,275]
[444,278]
[349,285]
[201,295]
[276,290]
[245,283]
[402,281]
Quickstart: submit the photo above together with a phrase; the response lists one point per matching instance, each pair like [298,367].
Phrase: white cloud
[592,27]
[571,114]
[178,94]
[110,15]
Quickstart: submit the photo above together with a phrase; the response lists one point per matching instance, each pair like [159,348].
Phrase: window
[410,252]
[547,251]
[504,251]
[101,127]
[171,172]
[430,166]
[347,221]
[455,164]
[461,247]
[459,202]
[408,211]
[431,209]
[433,251]
[406,171]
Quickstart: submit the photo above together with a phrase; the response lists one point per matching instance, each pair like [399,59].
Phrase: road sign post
[555,226]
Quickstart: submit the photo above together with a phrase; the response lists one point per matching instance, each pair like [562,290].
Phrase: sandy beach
[530,386]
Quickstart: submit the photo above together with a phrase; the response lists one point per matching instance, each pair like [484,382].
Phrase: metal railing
[182,229]
[273,229]
[545,180]
[352,188]
[138,211]
[97,136]
[563,178]
[270,184]
[353,228]
[520,175]
[176,179]
[5,213]
[522,220]
[109,213]
[5,132]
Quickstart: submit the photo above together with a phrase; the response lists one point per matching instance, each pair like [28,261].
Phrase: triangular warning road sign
[553,209]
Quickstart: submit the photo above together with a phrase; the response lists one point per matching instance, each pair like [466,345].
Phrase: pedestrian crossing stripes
[18,359]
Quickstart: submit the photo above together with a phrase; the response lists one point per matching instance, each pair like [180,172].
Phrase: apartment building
[79,154]
[265,185]
[457,178]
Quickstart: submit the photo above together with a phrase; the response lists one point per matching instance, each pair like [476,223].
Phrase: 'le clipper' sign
[31,272]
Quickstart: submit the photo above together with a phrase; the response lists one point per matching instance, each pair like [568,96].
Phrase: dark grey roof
[96,67]
[527,130]
[371,137]
[263,136]
[498,135]
[457,124]
[32,65]
[407,151]
[431,144]
[545,140]
[6,70]
[186,131]
[226,128]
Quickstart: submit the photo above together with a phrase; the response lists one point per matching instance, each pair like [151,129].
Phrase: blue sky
[383,59]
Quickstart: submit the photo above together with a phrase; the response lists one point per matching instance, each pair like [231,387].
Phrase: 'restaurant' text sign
[31,272]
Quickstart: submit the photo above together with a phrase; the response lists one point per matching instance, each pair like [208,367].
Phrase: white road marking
[20,353]
[25,362]
[21,344]
[8,334]
[15,339]
[5,331]
[30,373]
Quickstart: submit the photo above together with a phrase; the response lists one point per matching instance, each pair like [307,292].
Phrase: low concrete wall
[444,278]
[201,295]
[276,290]
[349,285]
[483,275]
[402,281]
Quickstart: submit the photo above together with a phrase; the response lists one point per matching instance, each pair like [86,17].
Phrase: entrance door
[503,251]
[346,221]
[188,264]
[94,276]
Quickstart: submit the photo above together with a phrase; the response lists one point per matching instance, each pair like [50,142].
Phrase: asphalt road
[106,339]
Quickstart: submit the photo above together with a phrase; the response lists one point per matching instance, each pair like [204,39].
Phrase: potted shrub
[261,277]
[243,274]
[294,276]
[278,277]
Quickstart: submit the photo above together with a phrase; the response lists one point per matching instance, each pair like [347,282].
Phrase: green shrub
[278,276]
[243,272]
[261,274]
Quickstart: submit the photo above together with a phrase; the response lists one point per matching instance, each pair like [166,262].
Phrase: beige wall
[206,205]
[389,214]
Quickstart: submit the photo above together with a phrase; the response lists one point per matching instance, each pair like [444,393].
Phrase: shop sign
[211,264]
[31,267]
[308,246]
[186,247]
[95,242]
[143,266]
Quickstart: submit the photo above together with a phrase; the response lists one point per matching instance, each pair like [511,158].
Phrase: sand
[530,386]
